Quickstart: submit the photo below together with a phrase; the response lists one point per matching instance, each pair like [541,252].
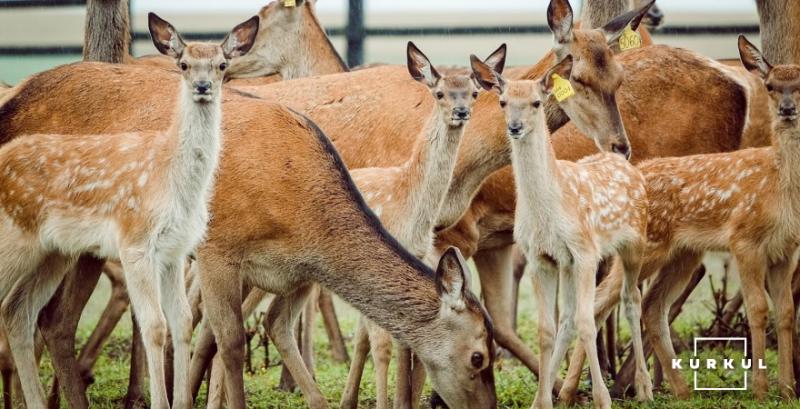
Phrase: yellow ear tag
[629,39]
[562,89]
[289,3]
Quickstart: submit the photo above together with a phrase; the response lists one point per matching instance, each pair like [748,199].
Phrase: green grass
[516,386]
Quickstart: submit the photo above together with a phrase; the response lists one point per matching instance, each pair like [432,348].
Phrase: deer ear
[614,28]
[420,67]
[485,76]
[497,60]
[559,18]
[165,36]
[752,59]
[563,69]
[453,279]
[240,40]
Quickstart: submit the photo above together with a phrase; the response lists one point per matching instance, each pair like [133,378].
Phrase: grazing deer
[744,201]
[141,198]
[408,197]
[565,242]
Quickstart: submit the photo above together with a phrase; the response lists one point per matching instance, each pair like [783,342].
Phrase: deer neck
[198,130]
[107,30]
[483,151]
[537,176]
[429,171]
[382,280]
[779,21]
[787,141]
[596,13]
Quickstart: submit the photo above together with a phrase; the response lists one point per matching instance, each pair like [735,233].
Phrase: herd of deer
[208,168]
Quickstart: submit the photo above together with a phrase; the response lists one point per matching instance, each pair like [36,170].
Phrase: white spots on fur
[142,179]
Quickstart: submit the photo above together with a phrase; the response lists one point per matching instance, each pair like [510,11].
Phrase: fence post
[355,33]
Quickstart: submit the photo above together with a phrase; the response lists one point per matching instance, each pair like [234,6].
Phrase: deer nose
[461,112]
[515,128]
[788,110]
[622,149]
[202,87]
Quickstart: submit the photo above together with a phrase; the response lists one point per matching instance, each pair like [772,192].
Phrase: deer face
[596,75]
[454,94]
[202,65]
[782,82]
[522,101]
[460,364]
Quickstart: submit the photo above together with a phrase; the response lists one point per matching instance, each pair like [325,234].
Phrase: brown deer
[141,198]
[564,242]
[408,197]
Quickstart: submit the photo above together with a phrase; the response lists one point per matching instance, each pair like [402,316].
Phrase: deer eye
[502,104]
[223,66]
[536,104]
[474,94]
[184,66]
[477,360]
[770,88]
[439,94]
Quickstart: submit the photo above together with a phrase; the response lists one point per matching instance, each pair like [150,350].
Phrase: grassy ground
[515,384]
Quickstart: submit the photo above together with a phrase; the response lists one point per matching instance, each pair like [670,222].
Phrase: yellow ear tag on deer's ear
[289,3]
[562,89]
[629,39]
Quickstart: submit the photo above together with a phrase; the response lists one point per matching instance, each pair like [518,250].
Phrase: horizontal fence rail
[400,32]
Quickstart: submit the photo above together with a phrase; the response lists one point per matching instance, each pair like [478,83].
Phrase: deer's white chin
[202,97]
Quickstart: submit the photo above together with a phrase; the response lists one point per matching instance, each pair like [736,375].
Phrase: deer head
[202,65]
[287,28]
[782,82]
[460,364]
[596,76]
[521,101]
[455,94]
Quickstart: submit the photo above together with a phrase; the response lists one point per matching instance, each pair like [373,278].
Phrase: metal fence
[355,31]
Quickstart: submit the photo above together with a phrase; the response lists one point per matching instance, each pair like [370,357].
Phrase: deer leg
[216,385]
[584,277]
[282,319]
[144,292]
[607,297]
[309,319]
[381,349]
[179,319]
[360,352]
[545,286]
[495,271]
[779,284]
[204,350]
[222,301]
[631,260]
[404,394]
[134,398]
[116,307]
[566,326]
[335,338]
[663,291]
[35,285]
[752,273]
[58,323]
